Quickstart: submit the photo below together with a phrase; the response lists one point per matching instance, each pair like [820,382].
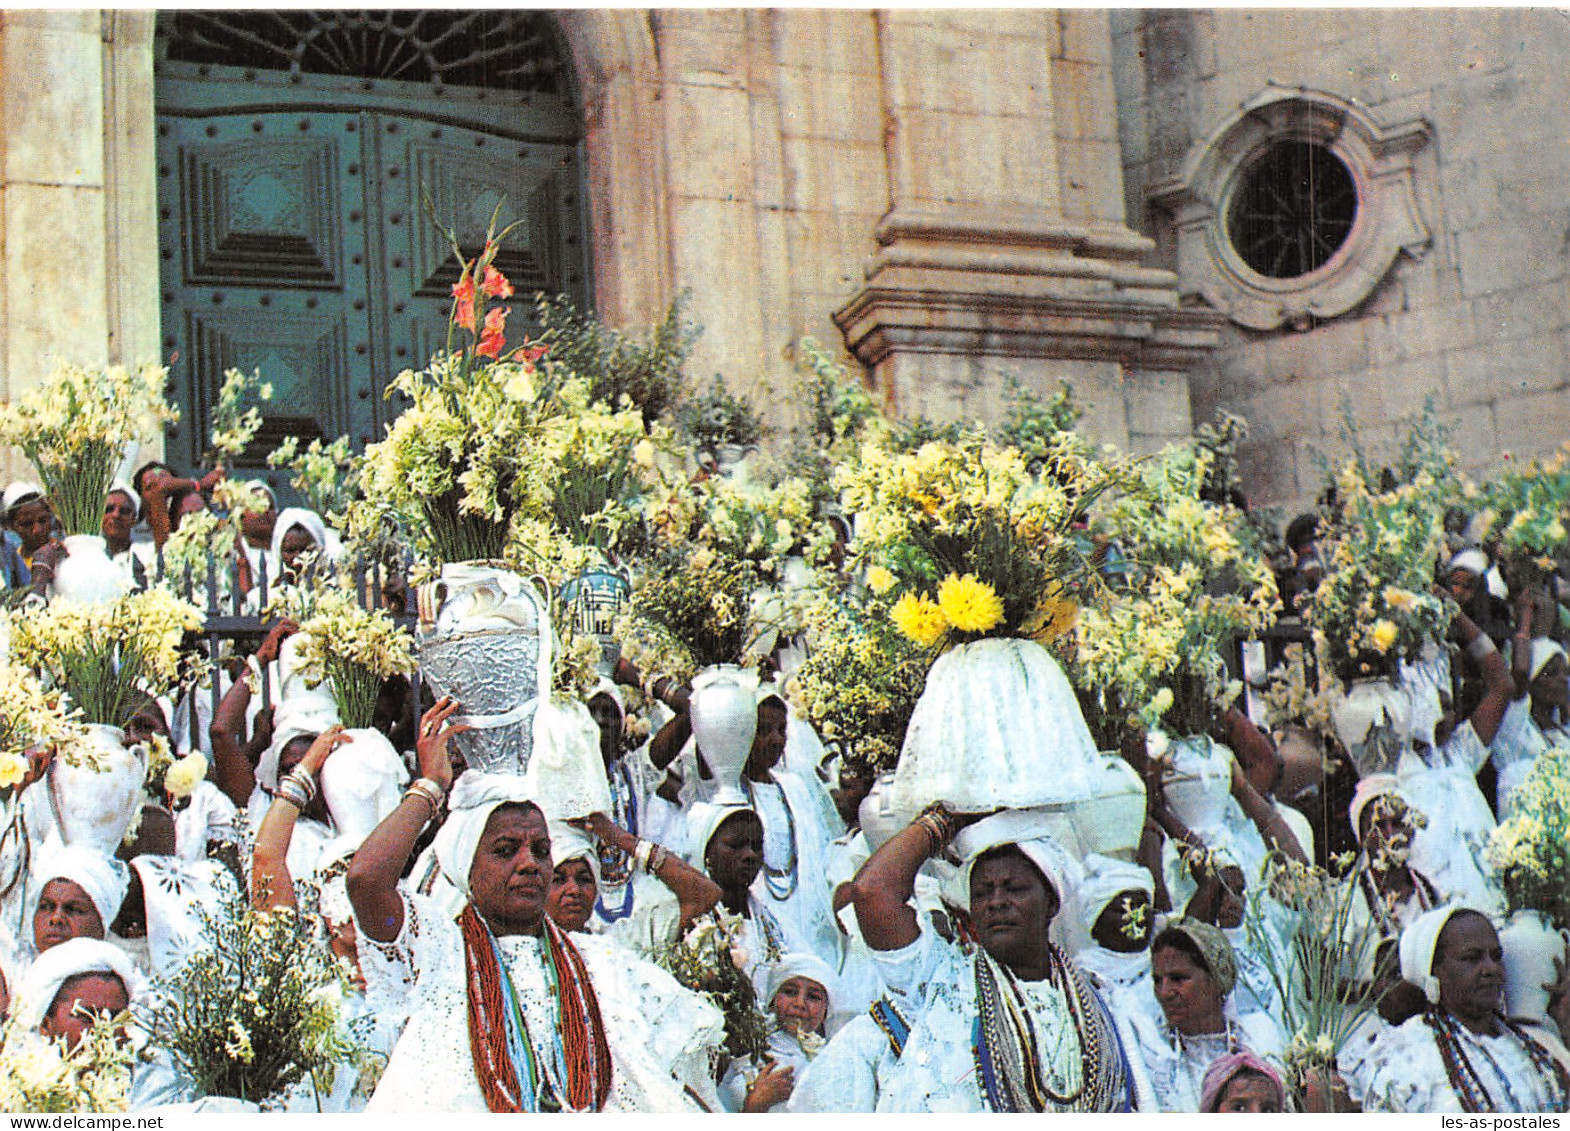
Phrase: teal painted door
[293,241]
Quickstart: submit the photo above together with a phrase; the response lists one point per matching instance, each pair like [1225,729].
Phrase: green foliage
[647,371]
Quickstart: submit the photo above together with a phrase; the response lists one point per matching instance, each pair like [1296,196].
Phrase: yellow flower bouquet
[1374,603]
[39,1074]
[1531,847]
[353,650]
[109,656]
[1183,589]
[30,715]
[967,543]
[75,428]
[1528,508]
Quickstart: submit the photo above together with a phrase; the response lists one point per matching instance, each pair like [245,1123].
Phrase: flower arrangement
[327,475]
[30,716]
[1029,424]
[860,681]
[39,1075]
[647,371]
[1296,695]
[1315,955]
[1531,847]
[708,960]
[235,424]
[1526,509]
[75,426]
[594,458]
[353,650]
[1184,590]
[690,609]
[576,661]
[967,543]
[719,418]
[259,1006]
[1373,604]
[110,656]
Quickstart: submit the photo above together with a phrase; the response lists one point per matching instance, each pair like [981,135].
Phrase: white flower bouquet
[353,650]
[75,428]
[40,1075]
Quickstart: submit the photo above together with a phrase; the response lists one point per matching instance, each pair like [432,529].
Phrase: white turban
[175,892]
[16,493]
[52,969]
[569,842]
[1369,788]
[1543,650]
[703,821]
[798,964]
[308,521]
[103,878]
[1472,560]
[1419,941]
[474,798]
[306,713]
[1107,878]
[1027,830]
[121,487]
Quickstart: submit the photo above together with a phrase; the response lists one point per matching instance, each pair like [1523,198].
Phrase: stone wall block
[1085,36]
[715,248]
[829,104]
[709,142]
[1268,467]
[52,236]
[1524,311]
[1156,404]
[843,41]
[1507,255]
[822,175]
[54,102]
[1505,368]
[1531,424]
[961,72]
[703,44]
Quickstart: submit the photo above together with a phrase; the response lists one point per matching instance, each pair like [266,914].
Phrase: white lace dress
[1451,849]
[660,1034]
[1176,1064]
[934,984]
[1409,1073]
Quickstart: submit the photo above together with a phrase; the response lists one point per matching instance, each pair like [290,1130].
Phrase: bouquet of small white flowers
[39,1074]
[30,715]
[259,1006]
[708,959]
[109,656]
[75,426]
[235,424]
[353,650]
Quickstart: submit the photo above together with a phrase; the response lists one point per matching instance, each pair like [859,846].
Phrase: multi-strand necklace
[1007,1052]
[1467,1082]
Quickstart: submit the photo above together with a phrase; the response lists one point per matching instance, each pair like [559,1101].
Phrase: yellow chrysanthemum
[968,604]
[879,580]
[181,779]
[13,768]
[920,619]
[1384,635]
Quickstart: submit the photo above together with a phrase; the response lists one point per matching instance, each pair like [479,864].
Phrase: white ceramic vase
[1198,781]
[1112,818]
[724,714]
[997,727]
[1373,720]
[484,638]
[1531,945]
[87,574]
[96,796]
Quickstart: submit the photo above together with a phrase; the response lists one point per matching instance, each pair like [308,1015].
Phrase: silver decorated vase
[484,638]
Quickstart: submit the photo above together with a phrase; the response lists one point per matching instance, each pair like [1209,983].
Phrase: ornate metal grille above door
[292,150]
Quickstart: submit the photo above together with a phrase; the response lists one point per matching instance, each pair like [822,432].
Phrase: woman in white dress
[1004,1022]
[1194,971]
[506,1011]
[1461,1054]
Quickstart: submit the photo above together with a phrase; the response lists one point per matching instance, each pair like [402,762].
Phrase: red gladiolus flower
[494,334]
[495,284]
[463,291]
[533,351]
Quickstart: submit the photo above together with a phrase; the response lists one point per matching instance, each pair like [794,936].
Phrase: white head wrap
[703,821]
[1107,878]
[52,969]
[609,689]
[303,713]
[308,521]
[1369,788]
[1029,831]
[474,798]
[103,878]
[362,781]
[1419,941]
[569,842]
[566,774]
[121,487]
[15,493]
[1543,650]
[799,964]
[1472,560]
[174,892]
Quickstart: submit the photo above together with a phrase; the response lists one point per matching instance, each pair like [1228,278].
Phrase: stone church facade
[945,197]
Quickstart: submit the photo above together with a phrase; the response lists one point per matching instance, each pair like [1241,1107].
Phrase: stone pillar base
[957,299]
